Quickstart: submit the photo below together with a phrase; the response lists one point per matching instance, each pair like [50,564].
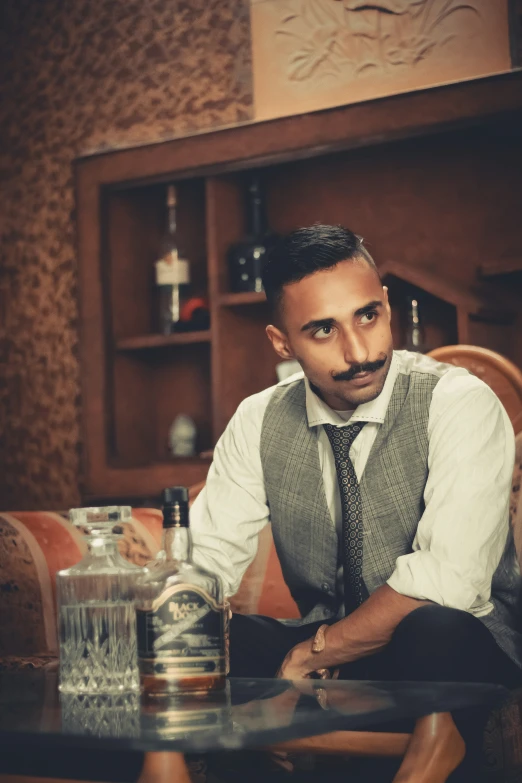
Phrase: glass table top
[248,713]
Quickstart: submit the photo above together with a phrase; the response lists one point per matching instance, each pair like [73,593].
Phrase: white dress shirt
[463,530]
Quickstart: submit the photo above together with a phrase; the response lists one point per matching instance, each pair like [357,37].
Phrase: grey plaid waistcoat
[392,488]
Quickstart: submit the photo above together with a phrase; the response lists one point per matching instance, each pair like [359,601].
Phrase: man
[386,478]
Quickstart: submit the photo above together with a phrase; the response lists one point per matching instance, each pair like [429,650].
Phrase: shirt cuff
[420,575]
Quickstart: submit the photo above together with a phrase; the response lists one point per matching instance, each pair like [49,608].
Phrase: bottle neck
[171,222]
[256,208]
[177,543]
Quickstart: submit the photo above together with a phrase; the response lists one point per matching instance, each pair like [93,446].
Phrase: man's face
[336,323]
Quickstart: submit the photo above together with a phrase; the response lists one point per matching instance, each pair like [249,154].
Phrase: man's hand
[364,632]
[298,664]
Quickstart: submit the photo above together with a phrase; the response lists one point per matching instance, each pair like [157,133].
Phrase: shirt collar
[319,413]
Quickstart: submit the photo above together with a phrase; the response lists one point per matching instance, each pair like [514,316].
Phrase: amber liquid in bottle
[180,614]
[155,685]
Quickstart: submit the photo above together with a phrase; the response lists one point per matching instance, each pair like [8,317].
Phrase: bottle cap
[101,520]
[175,495]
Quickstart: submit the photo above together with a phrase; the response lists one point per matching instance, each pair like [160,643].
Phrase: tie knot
[343,437]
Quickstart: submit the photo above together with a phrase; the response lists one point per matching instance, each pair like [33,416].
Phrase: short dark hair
[305,251]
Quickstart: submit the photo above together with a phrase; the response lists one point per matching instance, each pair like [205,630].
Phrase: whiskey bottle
[180,612]
[172,273]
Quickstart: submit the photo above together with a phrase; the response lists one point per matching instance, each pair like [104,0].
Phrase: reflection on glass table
[101,715]
[249,713]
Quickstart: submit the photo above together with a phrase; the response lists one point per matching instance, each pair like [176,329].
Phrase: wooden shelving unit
[401,171]
[145,341]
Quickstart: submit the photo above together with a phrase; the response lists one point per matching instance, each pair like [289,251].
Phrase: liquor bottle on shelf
[415,340]
[181,616]
[245,258]
[172,273]
[97,619]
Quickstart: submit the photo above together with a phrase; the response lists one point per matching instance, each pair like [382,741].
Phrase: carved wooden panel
[312,54]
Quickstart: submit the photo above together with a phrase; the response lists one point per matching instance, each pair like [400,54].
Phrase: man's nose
[355,349]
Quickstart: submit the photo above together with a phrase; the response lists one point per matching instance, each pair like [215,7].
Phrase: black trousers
[432,643]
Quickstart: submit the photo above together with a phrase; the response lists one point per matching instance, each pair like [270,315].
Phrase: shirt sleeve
[463,531]
[229,513]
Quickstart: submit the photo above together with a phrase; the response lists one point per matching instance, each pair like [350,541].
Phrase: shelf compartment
[143,342]
[475,301]
[132,229]
[438,317]
[149,388]
[246,362]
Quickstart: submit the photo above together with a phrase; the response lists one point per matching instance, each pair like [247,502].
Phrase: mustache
[355,369]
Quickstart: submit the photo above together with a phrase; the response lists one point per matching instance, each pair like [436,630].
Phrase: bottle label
[172,270]
[182,635]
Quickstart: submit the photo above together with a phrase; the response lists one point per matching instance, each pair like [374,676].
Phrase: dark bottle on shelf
[245,258]
[415,340]
[172,274]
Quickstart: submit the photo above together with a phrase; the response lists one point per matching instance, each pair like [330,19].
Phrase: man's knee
[434,622]
[437,642]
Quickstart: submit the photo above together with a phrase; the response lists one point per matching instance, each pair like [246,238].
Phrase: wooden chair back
[499,373]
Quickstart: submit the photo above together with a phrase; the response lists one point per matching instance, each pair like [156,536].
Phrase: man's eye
[324,331]
[371,316]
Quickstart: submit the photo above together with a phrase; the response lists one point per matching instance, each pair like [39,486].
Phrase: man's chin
[362,396]
[367,393]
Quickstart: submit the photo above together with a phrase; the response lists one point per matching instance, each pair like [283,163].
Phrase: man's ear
[280,342]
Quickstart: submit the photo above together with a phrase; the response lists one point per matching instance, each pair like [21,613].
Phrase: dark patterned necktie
[341,439]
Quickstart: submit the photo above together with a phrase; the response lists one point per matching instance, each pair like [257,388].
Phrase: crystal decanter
[96,613]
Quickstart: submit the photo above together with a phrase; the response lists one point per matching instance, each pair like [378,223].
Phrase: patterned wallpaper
[77,77]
